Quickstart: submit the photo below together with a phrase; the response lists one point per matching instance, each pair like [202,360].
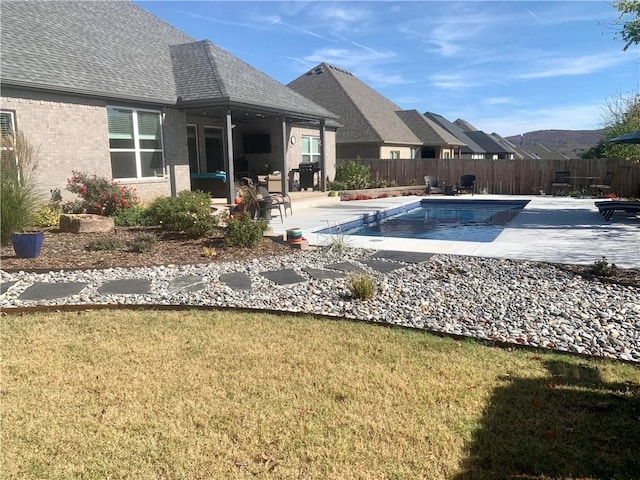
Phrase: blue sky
[506,67]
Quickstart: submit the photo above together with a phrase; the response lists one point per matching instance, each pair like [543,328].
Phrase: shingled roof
[204,71]
[427,130]
[487,142]
[470,145]
[118,50]
[366,115]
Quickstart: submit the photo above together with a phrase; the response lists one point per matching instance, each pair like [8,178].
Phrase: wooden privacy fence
[512,177]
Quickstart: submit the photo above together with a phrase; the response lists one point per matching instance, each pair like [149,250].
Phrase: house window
[192,147]
[7,123]
[395,154]
[447,154]
[135,143]
[310,149]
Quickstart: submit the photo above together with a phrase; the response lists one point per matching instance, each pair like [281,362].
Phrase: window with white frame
[135,143]
[7,123]
[395,154]
[310,149]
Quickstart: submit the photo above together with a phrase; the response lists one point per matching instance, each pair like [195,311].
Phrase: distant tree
[622,116]
[629,20]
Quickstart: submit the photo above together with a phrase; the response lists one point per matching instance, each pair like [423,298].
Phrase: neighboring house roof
[427,130]
[118,50]
[510,147]
[487,142]
[366,115]
[464,125]
[542,152]
[470,145]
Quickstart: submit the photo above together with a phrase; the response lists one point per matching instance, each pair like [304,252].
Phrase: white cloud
[498,101]
[367,65]
[565,66]
[455,81]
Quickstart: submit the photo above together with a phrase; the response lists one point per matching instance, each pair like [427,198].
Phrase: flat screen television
[256,143]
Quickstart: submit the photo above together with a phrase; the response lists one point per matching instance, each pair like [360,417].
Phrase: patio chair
[282,199]
[432,185]
[467,184]
[561,183]
[605,186]
[608,207]
[261,207]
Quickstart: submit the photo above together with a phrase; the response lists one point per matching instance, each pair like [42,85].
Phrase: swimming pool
[438,219]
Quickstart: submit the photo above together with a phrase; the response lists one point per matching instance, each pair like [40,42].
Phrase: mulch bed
[69,251]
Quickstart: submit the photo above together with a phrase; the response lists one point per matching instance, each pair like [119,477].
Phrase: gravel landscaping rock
[523,303]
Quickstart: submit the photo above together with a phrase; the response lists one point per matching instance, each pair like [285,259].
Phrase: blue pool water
[435,219]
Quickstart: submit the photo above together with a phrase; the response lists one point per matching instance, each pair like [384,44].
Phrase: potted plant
[27,244]
[19,197]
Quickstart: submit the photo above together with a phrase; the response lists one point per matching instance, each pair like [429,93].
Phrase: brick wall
[70,133]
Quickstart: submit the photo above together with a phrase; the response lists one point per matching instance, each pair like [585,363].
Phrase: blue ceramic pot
[27,244]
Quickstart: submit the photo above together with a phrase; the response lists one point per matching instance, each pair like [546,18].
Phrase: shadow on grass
[568,425]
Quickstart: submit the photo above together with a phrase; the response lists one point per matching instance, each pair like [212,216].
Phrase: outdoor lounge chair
[432,185]
[467,184]
[282,199]
[608,207]
[561,184]
[605,186]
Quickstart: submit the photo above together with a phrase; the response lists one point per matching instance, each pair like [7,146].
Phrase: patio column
[323,175]
[284,172]
[228,161]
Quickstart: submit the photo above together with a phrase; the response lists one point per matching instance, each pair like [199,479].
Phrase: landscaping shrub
[98,195]
[353,175]
[144,243]
[18,196]
[361,287]
[104,243]
[47,215]
[602,268]
[134,216]
[189,212]
[243,231]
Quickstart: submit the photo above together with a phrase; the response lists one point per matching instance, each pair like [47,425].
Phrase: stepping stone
[319,274]
[4,286]
[406,257]
[283,277]
[346,267]
[50,291]
[383,266]
[187,283]
[236,280]
[131,286]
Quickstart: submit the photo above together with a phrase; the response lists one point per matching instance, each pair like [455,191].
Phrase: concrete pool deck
[549,229]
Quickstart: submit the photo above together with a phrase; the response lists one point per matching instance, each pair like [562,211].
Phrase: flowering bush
[99,195]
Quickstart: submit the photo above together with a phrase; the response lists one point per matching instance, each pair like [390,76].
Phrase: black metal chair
[467,184]
[561,183]
[605,186]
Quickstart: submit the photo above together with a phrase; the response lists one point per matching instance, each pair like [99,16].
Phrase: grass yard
[225,395]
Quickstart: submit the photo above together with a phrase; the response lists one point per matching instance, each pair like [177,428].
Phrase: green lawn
[224,395]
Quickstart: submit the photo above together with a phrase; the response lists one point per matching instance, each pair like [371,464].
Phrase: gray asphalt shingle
[118,50]
[366,115]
